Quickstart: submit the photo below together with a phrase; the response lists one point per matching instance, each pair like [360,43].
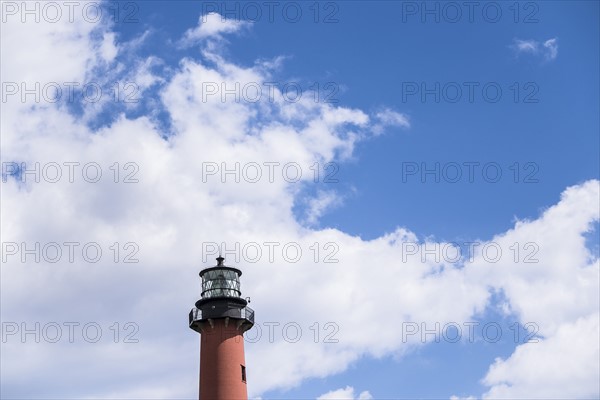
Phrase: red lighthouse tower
[221,316]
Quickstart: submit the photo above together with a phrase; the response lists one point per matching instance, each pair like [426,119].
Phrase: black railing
[195,315]
[247,313]
[242,313]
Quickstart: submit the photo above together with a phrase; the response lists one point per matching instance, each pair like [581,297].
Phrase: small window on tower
[243,374]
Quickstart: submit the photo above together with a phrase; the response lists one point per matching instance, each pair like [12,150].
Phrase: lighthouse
[221,316]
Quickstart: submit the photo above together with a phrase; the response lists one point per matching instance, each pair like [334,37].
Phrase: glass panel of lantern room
[221,282]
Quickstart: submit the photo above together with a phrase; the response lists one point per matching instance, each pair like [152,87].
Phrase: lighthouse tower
[221,317]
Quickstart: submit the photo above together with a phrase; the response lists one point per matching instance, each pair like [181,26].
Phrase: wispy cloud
[551,48]
[388,117]
[317,206]
[346,393]
[212,25]
[547,49]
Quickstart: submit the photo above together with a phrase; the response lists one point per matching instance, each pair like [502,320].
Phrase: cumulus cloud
[557,291]
[346,393]
[564,365]
[168,210]
[183,197]
[547,49]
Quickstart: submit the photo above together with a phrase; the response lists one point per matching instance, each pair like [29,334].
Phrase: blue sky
[375,60]
[370,54]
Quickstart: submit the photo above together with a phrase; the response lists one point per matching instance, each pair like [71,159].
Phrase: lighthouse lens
[220,283]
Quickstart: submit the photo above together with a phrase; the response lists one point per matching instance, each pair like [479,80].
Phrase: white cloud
[527,46]
[393,118]
[558,294]
[213,25]
[565,365]
[551,46]
[108,49]
[318,205]
[558,285]
[167,213]
[346,393]
[548,49]
[387,118]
